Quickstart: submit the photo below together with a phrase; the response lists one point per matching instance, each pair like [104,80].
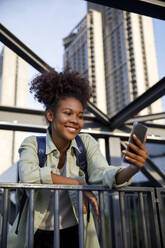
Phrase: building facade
[129,56]
[13,93]
[130,59]
[84,52]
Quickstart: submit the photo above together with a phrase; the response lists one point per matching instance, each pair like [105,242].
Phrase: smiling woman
[65,96]
[67,122]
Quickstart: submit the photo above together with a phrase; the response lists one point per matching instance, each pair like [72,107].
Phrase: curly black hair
[50,87]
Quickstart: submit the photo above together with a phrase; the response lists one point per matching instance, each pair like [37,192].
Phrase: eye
[67,113]
[81,117]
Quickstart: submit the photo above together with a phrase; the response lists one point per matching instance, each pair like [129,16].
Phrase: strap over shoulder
[81,156]
[41,141]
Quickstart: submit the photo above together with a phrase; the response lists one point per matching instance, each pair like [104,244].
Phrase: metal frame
[141,102]
[128,206]
[144,118]
[106,123]
[130,110]
[152,8]
[11,41]
[30,57]
[148,7]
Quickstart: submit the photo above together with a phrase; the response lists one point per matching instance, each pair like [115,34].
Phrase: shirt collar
[50,146]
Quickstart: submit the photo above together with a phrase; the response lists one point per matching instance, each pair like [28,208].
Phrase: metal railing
[130,217]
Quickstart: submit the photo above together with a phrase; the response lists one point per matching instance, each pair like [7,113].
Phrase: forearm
[57,179]
[125,174]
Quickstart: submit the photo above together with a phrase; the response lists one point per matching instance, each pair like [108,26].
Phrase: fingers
[93,201]
[139,154]
[84,205]
[140,150]
[135,159]
[145,139]
[138,142]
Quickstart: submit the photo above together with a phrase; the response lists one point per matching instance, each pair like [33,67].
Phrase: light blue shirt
[99,172]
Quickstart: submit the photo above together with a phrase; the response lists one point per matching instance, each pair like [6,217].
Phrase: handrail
[73,187]
[133,216]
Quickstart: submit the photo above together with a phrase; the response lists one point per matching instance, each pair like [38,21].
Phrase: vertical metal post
[155,234]
[123,219]
[5,218]
[81,220]
[107,150]
[56,220]
[129,220]
[136,221]
[102,218]
[111,221]
[143,221]
[31,220]
[117,221]
[161,209]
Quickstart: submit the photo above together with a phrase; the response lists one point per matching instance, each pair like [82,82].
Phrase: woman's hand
[139,156]
[88,196]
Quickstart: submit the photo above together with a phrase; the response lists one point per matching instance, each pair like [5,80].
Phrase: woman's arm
[136,159]
[57,179]
[87,195]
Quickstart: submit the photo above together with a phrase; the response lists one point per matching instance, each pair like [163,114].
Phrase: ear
[49,115]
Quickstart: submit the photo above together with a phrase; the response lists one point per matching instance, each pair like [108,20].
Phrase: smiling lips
[72,129]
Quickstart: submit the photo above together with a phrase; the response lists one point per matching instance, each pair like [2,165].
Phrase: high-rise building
[129,56]
[13,93]
[84,53]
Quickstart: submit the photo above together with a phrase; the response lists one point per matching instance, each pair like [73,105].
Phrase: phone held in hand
[140,131]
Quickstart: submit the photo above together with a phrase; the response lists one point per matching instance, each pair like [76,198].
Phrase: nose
[74,119]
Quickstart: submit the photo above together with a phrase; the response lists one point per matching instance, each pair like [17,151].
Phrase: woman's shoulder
[30,140]
[87,139]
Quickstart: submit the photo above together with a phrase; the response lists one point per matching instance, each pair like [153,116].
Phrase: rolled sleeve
[29,170]
[45,174]
[109,177]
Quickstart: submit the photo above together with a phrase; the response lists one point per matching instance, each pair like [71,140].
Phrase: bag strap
[81,157]
[81,160]
[41,141]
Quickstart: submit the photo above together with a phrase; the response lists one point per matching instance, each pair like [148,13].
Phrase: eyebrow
[72,110]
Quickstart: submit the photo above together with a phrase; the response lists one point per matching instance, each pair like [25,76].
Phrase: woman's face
[67,122]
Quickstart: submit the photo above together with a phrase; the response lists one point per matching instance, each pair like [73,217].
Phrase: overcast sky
[42,24]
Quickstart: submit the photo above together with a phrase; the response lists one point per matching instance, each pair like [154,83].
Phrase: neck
[61,144]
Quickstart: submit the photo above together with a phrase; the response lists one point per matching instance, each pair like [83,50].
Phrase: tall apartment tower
[129,56]
[84,52]
[13,93]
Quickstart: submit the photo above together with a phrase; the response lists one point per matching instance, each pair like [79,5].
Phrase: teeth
[71,128]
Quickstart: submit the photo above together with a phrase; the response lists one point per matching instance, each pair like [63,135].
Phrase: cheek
[81,123]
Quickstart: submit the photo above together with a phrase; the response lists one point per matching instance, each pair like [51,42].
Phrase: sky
[42,24]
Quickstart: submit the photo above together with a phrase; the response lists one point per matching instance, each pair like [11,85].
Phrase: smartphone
[140,131]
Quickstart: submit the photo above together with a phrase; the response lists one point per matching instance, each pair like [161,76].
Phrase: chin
[71,136]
